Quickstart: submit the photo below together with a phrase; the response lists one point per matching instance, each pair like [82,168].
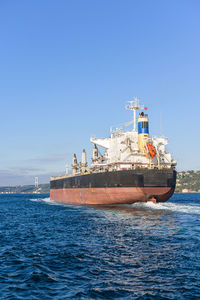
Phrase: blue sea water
[140,251]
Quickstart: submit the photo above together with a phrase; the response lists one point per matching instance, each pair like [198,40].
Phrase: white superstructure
[132,149]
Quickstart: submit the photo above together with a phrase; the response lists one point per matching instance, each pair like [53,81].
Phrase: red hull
[115,195]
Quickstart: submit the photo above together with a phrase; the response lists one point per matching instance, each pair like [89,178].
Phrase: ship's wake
[183,208]
[45,200]
[174,207]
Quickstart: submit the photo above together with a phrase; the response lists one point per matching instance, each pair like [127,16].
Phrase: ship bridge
[134,148]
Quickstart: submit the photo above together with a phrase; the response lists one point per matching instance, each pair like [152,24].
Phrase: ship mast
[134,106]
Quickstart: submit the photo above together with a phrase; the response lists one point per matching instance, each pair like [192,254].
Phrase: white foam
[34,200]
[175,207]
[46,200]
[49,201]
[189,209]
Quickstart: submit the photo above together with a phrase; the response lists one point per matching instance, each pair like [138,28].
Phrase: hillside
[188,182]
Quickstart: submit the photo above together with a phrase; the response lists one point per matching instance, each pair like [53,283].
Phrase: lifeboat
[151,149]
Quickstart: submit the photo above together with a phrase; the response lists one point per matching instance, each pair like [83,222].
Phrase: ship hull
[98,196]
[119,187]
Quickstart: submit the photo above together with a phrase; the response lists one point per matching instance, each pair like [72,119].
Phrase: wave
[188,209]
[174,207]
[46,200]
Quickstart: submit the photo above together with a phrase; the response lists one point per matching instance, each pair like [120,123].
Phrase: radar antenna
[134,106]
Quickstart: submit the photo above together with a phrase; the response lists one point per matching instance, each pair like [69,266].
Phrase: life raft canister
[152,150]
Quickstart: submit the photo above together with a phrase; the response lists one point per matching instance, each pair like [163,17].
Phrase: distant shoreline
[187,182]
[48,192]
[26,189]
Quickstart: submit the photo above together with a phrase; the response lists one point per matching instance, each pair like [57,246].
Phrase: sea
[139,251]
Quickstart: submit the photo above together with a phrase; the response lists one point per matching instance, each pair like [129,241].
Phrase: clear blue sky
[67,68]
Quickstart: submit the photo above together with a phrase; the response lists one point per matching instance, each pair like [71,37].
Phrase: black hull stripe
[124,178]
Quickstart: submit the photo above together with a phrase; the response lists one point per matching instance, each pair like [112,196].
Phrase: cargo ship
[133,168]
